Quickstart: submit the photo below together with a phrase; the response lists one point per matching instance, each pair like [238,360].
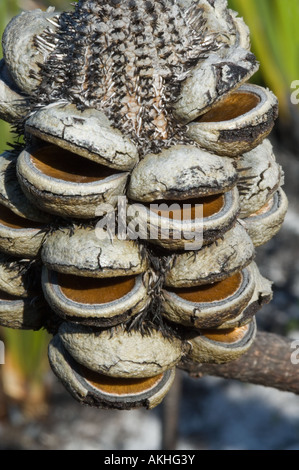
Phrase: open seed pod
[95,389]
[87,133]
[187,202]
[119,353]
[260,177]
[20,237]
[211,80]
[213,263]
[11,194]
[209,305]
[67,185]
[92,301]
[262,295]
[220,346]
[21,49]
[92,280]
[238,123]
[13,105]
[266,223]
[187,224]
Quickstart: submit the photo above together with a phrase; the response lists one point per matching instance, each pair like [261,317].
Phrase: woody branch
[267,363]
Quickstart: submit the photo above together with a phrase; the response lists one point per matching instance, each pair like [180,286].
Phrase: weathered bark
[267,363]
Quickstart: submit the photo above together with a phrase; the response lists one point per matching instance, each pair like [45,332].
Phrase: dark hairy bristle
[152,318]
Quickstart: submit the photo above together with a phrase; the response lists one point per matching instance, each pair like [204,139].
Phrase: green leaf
[275,41]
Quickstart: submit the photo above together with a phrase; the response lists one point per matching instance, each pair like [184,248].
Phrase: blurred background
[37,413]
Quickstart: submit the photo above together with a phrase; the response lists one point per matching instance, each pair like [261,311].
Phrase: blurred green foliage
[274,27]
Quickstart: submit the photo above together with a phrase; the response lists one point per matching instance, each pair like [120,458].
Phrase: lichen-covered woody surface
[143,102]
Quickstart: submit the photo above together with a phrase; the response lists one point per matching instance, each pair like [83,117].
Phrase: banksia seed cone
[135,114]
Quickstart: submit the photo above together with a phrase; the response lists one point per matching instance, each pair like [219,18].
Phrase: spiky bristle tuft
[128,59]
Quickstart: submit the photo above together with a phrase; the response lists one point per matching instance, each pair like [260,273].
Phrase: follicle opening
[88,290]
[12,220]
[59,163]
[175,210]
[118,385]
[231,107]
[211,292]
[229,336]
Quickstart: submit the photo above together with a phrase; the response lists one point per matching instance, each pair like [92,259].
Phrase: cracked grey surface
[213,262]
[179,173]
[122,354]
[202,89]
[13,105]
[21,242]
[86,253]
[87,133]
[260,177]
[20,53]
